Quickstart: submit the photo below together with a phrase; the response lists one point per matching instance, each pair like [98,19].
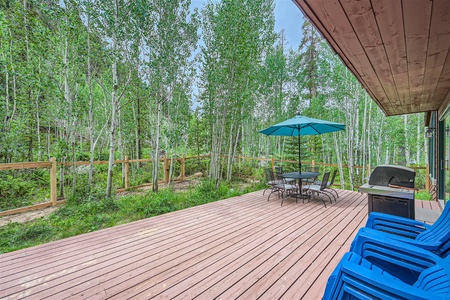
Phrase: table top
[302,175]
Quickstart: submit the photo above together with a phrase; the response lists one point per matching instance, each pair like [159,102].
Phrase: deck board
[243,247]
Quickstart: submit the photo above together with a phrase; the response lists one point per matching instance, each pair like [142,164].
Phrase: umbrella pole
[299,156]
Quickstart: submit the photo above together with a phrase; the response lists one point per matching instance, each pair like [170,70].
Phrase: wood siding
[398,49]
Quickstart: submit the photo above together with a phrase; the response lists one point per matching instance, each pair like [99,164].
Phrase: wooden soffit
[398,49]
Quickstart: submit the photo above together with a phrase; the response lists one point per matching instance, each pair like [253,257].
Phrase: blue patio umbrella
[301,125]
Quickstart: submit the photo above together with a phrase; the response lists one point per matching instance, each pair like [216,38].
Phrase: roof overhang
[398,49]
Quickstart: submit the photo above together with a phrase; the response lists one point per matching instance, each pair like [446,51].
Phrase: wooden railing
[53,164]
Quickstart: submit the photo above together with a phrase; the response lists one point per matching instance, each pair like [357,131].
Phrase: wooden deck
[243,247]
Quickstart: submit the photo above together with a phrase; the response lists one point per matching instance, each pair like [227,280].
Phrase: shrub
[16,192]
[423,195]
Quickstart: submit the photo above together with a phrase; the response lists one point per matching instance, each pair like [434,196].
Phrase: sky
[289,17]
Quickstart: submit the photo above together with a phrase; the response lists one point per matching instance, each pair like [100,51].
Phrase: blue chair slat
[404,261]
[390,221]
[396,225]
[435,238]
[439,231]
[372,243]
[434,247]
[435,280]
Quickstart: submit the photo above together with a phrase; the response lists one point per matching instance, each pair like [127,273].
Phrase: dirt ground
[27,216]
[35,214]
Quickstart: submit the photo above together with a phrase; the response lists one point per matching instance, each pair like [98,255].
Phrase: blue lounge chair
[357,278]
[408,262]
[434,238]
[379,268]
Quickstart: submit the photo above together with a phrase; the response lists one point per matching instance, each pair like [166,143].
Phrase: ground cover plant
[81,215]
[19,188]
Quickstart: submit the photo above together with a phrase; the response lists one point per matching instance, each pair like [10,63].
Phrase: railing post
[127,172]
[273,163]
[166,170]
[53,197]
[427,178]
[312,165]
[183,167]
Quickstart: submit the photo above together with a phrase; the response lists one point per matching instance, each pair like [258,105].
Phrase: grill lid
[385,175]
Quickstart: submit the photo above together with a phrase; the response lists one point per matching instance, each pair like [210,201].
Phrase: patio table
[300,176]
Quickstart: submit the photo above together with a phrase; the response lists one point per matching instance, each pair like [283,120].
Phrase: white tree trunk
[114,104]
[68,97]
[407,150]
[38,126]
[155,172]
[230,153]
[339,159]
[418,144]
[364,140]
[91,105]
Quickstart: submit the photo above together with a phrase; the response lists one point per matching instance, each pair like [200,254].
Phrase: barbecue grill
[391,190]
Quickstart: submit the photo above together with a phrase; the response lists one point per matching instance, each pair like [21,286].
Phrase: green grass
[422,195]
[91,213]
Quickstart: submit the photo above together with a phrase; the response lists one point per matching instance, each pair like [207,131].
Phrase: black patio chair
[270,180]
[311,180]
[329,184]
[279,170]
[285,188]
[316,189]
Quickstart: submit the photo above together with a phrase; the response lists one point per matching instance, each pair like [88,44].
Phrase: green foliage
[82,215]
[422,195]
[193,166]
[141,175]
[23,188]
[14,187]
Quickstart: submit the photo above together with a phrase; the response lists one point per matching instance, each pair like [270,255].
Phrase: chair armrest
[396,225]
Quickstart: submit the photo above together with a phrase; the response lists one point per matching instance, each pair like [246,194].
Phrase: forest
[100,80]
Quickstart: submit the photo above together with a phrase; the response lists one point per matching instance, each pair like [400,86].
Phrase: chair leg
[324,203]
[330,193]
[273,191]
[318,196]
[283,197]
[334,191]
[308,193]
[326,194]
